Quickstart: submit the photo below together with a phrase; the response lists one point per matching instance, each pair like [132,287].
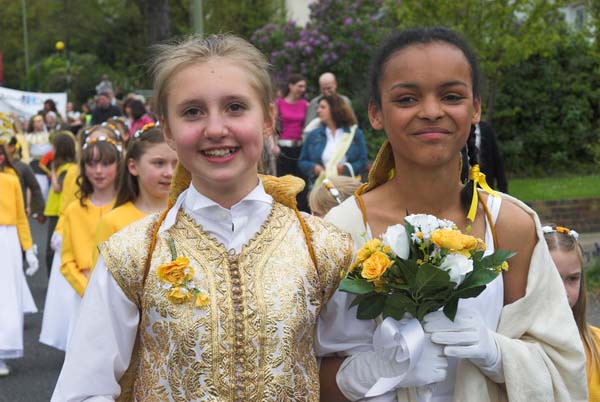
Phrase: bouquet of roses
[418,268]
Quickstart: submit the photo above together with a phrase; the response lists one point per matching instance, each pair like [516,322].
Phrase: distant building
[298,10]
[576,15]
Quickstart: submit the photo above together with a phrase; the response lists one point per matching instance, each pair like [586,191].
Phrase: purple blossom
[347,21]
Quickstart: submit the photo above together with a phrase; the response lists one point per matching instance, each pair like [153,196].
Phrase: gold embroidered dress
[254,339]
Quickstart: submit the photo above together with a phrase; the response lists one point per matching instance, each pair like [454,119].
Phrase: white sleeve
[339,332]
[102,342]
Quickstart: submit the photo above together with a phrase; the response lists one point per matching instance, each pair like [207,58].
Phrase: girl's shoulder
[516,220]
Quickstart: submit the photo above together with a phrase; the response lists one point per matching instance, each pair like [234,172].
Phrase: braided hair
[472,155]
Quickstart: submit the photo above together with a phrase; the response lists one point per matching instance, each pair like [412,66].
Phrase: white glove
[56,241]
[360,372]
[32,261]
[467,338]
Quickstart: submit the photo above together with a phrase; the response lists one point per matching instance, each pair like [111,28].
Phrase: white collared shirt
[232,227]
[331,145]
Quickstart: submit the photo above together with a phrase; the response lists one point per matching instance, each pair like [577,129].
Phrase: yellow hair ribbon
[478,178]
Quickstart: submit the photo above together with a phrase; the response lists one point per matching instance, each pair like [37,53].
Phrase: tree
[504,32]
[241,17]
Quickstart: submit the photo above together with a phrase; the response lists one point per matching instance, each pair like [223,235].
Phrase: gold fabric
[254,341]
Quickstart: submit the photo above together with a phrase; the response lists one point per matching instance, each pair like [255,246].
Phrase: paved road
[33,377]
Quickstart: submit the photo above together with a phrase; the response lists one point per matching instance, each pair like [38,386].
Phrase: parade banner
[27,104]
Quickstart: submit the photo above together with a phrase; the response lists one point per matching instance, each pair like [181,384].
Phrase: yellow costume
[70,187]
[593,373]
[53,205]
[254,340]
[114,221]
[79,223]
[12,210]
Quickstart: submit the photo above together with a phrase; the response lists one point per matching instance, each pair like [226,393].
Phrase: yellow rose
[375,266]
[202,300]
[179,295]
[456,242]
[366,251]
[175,272]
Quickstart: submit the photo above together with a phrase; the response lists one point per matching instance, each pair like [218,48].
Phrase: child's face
[569,268]
[102,175]
[427,104]
[154,170]
[216,124]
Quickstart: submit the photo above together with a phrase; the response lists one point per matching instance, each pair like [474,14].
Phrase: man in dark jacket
[104,109]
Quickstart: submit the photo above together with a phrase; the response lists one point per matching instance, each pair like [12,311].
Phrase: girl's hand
[318,169]
[86,272]
[340,169]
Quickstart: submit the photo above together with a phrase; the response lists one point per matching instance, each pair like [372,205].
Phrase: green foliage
[592,276]
[548,112]
[241,17]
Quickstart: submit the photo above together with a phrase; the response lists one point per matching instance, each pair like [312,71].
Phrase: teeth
[219,152]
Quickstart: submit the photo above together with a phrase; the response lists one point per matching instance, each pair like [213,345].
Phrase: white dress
[340,333]
[15,296]
[60,310]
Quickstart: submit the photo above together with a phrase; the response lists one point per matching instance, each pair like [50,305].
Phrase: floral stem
[173,249]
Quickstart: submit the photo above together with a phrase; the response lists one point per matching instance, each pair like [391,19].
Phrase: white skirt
[61,308]
[15,296]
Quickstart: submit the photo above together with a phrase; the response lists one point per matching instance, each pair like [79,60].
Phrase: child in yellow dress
[15,297]
[143,184]
[62,301]
[100,162]
[567,255]
[217,298]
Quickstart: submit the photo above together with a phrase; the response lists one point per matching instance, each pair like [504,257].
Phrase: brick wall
[581,214]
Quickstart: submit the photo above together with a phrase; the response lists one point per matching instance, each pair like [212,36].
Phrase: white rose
[397,239]
[457,266]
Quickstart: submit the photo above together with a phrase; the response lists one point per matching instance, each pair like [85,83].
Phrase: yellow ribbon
[478,178]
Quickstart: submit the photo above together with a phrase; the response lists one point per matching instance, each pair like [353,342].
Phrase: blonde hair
[321,200]
[565,242]
[172,58]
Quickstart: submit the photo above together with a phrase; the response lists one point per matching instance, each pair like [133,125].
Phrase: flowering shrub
[339,37]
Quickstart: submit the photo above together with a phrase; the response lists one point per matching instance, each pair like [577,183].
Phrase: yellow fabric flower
[179,295]
[175,272]
[202,300]
[365,252]
[375,266]
[456,242]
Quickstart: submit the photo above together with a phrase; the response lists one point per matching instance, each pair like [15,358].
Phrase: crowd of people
[179,270]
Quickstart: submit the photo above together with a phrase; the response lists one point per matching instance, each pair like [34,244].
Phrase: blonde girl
[567,255]
[517,340]
[62,300]
[15,297]
[143,183]
[216,298]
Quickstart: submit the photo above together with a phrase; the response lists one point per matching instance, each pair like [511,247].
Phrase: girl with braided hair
[517,340]
[216,298]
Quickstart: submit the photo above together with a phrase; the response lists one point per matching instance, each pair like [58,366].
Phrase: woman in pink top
[291,110]
[139,116]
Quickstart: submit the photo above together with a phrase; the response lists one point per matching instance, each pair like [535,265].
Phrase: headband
[102,138]
[332,190]
[561,229]
[145,129]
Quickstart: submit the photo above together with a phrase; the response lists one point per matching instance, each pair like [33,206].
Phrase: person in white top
[517,340]
[217,297]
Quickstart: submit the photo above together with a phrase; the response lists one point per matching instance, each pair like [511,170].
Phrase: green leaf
[356,286]
[371,306]
[408,270]
[427,307]
[430,277]
[450,309]
[469,292]
[479,277]
[393,311]
[493,260]
[358,299]
[401,302]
